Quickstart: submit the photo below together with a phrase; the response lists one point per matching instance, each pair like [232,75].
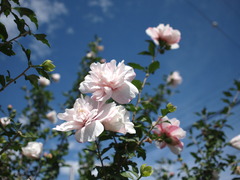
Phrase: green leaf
[146,170]
[2,80]
[27,53]
[151,47]
[33,79]
[136,66]
[153,66]
[42,38]
[20,23]
[7,49]
[145,53]
[5,7]
[127,175]
[227,93]
[42,73]
[137,83]
[29,13]
[3,32]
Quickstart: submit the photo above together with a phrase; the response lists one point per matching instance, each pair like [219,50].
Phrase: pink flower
[164,33]
[107,80]
[56,77]
[169,134]
[32,150]
[89,118]
[235,142]
[174,79]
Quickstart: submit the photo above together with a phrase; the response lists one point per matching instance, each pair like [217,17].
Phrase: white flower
[5,121]
[235,142]
[43,81]
[33,150]
[108,80]
[56,77]
[52,116]
[174,79]
[89,118]
[91,54]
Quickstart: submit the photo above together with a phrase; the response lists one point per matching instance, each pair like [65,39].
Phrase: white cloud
[70,30]
[47,12]
[103,4]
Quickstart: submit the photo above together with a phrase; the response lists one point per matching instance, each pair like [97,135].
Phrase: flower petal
[89,132]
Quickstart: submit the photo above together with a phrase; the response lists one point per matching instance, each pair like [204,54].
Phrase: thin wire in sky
[213,23]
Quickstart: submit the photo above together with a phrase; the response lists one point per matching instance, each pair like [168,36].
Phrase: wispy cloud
[103,4]
[103,7]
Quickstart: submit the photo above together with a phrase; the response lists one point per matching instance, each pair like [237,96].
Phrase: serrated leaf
[42,38]
[29,13]
[136,66]
[153,67]
[3,32]
[20,23]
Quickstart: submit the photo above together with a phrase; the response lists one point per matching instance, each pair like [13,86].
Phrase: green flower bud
[48,65]
[146,170]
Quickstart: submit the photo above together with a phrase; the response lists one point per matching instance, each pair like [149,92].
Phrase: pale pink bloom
[174,79]
[56,77]
[89,117]
[52,116]
[118,121]
[43,81]
[165,33]
[33,150]
[91,54]
[235,142]
[100,48]
[5,121]
[169,134]
[108,80]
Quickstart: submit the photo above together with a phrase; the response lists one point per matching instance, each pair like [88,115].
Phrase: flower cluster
[91,115]
[169,134]
[166,34]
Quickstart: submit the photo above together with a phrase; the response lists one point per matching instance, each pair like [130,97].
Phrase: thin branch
[15,38]
[13,80]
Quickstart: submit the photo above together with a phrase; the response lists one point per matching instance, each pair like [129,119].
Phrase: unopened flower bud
[10,107]
[48,65]
[56,77]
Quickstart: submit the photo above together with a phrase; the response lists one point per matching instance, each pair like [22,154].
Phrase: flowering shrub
[114,120]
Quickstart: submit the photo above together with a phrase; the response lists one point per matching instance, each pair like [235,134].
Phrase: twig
[13,80]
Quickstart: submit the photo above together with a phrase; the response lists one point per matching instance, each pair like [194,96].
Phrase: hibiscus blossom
[89,117]
[166,34]
[235,142]
[169,134]
[107,80]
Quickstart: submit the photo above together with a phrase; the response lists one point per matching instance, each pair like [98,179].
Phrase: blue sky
[208,58]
